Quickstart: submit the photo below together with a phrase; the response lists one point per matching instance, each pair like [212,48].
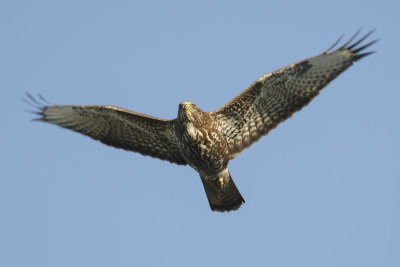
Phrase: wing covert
[274,97]
[119,128]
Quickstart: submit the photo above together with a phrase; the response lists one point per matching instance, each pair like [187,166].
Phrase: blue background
[321,190]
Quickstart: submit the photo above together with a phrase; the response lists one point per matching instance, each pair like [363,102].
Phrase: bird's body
[205,149]
[197,133]
[207,141]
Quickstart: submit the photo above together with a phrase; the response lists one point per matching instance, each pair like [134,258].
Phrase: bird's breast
[204,148]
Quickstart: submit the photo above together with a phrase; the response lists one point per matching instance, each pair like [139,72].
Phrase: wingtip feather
[352,46]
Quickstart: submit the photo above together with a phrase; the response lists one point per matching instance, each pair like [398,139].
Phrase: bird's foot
[221,182]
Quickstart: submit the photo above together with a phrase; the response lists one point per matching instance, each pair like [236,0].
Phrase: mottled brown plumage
[208,140]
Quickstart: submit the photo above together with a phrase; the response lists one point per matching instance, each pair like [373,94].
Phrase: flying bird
[207,141]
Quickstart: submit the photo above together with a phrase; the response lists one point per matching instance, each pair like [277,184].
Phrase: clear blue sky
[321,190]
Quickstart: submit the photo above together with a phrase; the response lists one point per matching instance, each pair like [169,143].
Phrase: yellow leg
[221,182]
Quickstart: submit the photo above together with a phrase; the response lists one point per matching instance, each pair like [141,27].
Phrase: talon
[221,182]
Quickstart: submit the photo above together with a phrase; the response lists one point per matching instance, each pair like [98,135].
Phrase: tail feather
[222,199]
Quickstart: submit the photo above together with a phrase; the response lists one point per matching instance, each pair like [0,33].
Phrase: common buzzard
[207,141]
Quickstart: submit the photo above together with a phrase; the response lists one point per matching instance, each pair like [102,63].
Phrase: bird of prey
[207,141]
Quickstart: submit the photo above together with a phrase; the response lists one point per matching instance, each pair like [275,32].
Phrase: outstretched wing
[274,97]
[117,127]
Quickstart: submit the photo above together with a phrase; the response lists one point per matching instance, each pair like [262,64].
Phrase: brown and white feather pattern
[208,140]
[274,97]
[119,128]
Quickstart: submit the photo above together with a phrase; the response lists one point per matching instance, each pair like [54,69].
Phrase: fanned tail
[222,198]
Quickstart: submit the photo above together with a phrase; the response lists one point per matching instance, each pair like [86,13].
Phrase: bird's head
[189,112]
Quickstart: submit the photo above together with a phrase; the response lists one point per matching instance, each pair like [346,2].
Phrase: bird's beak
[187,107]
